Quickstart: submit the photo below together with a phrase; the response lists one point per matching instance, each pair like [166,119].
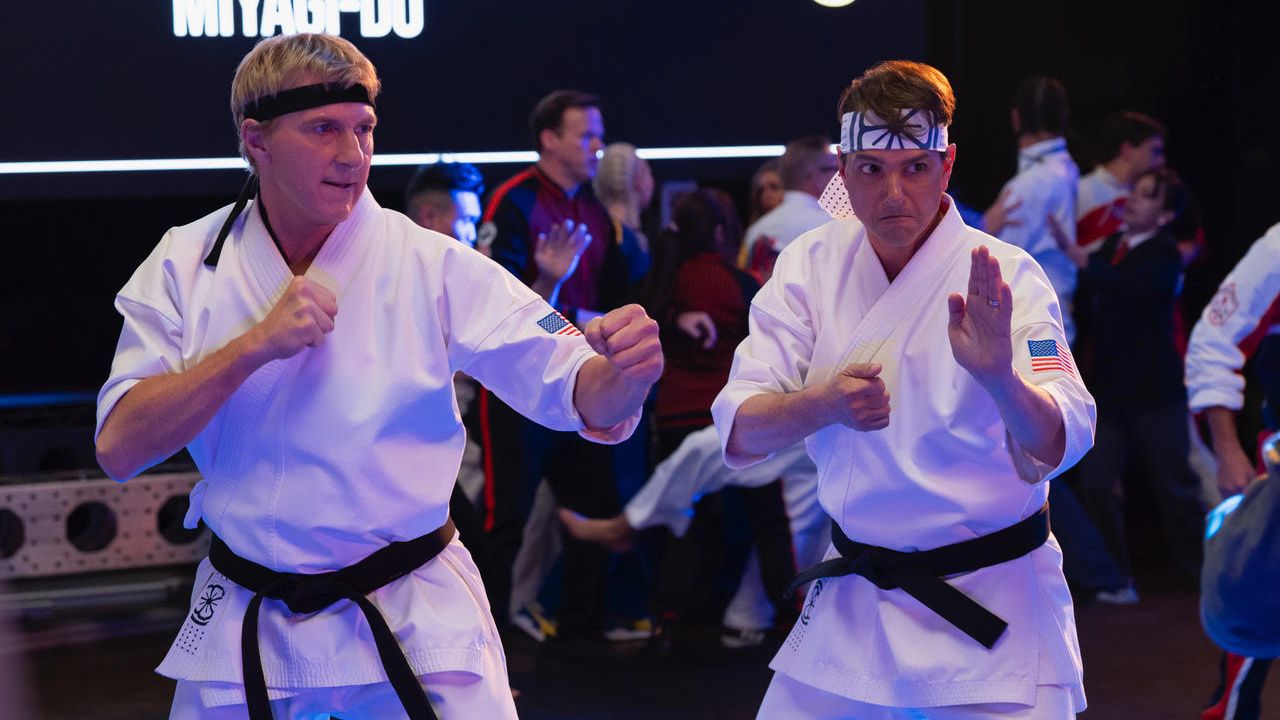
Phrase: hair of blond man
[890,87]
[288,61]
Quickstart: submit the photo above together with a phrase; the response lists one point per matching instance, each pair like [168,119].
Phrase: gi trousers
[790,699]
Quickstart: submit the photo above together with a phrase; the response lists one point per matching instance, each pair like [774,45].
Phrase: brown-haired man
[963,331]
[548,229]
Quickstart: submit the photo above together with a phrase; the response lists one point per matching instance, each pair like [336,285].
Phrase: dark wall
[1206,70]
[107,80]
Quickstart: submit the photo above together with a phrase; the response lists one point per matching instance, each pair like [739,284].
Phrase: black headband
[304,98]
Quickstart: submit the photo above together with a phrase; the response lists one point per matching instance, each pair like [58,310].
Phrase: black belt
[920,573]
[305,594]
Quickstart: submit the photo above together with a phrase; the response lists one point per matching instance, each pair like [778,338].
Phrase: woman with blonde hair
[624,184]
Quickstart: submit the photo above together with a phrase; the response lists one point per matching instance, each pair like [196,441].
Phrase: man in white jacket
[329,442]
[1242,321]
[947,479]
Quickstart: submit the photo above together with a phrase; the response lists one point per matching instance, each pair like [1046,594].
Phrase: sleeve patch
[1049,356]
[555,324]
[1223,305]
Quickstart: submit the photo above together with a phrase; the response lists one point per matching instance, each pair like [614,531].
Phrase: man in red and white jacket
[1242,321]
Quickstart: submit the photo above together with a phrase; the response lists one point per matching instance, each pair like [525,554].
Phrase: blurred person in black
[546,226]
[1128,290]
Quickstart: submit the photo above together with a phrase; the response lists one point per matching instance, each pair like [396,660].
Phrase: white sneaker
[1127,595]
[738,639]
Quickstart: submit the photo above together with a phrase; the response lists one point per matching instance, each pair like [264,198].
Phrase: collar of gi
[305,98]
[273,106]
[247,193]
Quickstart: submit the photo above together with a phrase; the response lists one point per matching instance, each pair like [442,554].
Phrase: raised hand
[699,326]
[556,252]
[856,397]
[301,318]
[980,321]
[628,338]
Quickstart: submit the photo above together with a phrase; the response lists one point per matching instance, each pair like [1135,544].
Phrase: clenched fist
[628,338]
[301,318]
[856,397]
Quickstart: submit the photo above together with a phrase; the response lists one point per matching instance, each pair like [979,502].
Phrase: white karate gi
[320,459]
[1244,305]
[1046,185]
[944,470]
[798,213]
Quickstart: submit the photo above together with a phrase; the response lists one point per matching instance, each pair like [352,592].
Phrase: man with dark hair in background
[547,228]
[1128,289]
[1036,205]
[1132,144]
[806,167]
[1242,323]
[445,197]
[1044,186]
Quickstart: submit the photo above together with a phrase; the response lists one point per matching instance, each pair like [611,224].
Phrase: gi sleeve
[775,356]
[502,334]
[1248,298]
[151,339]
[1042,356]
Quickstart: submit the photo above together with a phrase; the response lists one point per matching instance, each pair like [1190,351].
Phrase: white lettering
[375,24]
[410,19]
[310,15]
[333,17]
[264,18]
[277,14]
[249,17]
[226,18]
[195,18]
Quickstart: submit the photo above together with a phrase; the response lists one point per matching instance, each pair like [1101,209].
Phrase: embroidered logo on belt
[202,613]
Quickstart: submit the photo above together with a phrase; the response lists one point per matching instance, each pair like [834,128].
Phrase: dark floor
[1146,662]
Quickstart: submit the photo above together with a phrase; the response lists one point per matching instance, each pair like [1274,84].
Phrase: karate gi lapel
[915,288]
[334,265]
[265,275]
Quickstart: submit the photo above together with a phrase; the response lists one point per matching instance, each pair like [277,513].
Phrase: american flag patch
[1047,355]
[557,325]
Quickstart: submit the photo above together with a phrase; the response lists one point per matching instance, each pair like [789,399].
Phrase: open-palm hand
[980,321]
